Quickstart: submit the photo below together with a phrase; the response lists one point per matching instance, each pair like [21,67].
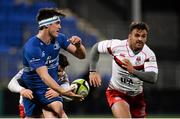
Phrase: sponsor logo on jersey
[43,53]
[56,46]
[51,63]
[48,61]
[126,80]
[34,60]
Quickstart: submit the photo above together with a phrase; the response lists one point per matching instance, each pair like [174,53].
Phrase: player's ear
[129,35]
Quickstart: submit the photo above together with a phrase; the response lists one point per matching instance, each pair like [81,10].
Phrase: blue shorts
[31,108]
[34,107]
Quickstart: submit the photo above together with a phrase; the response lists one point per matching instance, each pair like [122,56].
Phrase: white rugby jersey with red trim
[121,79]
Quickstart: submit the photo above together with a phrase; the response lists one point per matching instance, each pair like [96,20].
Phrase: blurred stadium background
[93,21]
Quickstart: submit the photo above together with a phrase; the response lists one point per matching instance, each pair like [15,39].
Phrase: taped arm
[13,85]
[94,58]
[150,77]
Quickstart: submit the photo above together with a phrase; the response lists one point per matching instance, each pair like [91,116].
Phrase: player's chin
[55,35]
[139,45]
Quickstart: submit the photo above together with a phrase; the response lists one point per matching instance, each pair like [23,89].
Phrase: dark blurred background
[93,21]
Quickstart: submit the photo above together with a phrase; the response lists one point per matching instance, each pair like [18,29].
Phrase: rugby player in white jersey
[133,63]
[15,85]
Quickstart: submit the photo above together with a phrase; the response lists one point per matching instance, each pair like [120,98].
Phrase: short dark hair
[138,25]
[45,13]
[63,61]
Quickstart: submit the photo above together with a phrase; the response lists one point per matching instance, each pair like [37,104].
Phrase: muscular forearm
[80,52]
[94,57]
[150,77]
[52,84]
[48,80]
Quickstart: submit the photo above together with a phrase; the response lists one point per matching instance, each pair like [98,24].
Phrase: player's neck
[133,48]
[43,36]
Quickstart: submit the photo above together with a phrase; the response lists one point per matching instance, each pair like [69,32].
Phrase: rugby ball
[80,87]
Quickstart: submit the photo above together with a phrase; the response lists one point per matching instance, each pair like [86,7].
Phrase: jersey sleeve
[34,57]
[151,63]
[13,85]
[63,40]
[104,46]
[108,46]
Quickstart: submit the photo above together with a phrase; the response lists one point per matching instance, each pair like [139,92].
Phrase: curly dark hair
[63,61]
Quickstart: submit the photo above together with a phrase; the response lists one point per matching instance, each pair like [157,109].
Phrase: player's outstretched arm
[76,47]
[94,76]
[50,82]
[15,87]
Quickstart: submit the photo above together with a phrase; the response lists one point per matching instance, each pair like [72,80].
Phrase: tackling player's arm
[15,87]
[76,48]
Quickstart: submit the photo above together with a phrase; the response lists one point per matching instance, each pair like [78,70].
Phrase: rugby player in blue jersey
[40,61]
[16,85]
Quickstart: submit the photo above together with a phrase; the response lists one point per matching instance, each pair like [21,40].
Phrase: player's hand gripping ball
[81,87]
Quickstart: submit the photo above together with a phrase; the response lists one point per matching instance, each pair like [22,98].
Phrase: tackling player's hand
[51,94]
[94,79]
[75,40]
[27,93]
[127,65]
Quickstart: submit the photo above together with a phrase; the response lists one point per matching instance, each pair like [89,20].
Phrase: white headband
[48,21]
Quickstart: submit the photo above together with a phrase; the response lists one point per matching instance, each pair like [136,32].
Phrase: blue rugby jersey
[36,54]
